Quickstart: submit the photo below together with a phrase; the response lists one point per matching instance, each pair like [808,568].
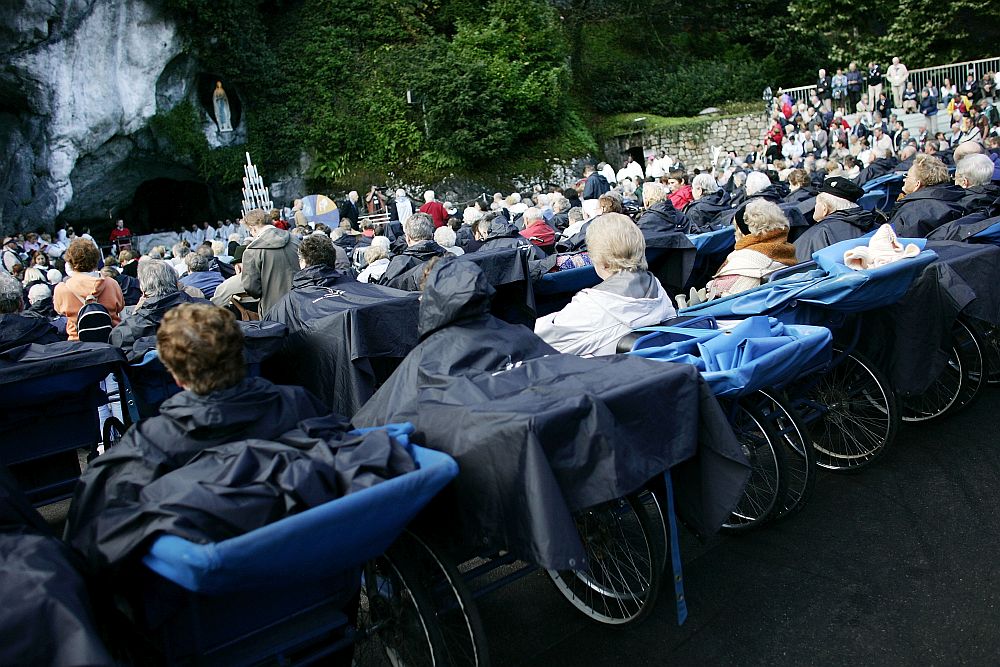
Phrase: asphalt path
[895,565]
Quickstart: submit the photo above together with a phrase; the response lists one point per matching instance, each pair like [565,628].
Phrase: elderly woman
[762,248]
[629,296]
[376,260]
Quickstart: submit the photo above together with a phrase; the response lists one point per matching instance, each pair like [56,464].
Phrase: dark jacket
[702,213]
[853,83]
[879,167]
[596,186]
[850,223]
[188,424]
[350,210]
[875,77]
[917,215]
[503,234]
[980,197]
[400,272]
[145,321]
[559,221]
[130,287]
[662,217]
[17,330]
[823,91]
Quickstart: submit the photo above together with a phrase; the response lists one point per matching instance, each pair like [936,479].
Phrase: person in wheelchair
[17,329]
[202,348]
[838,218]
[160,293]
[629,296]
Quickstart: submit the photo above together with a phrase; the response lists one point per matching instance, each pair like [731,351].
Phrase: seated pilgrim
[376,260]
[708,201]
[838,218]
[974,173]
[202,348]
[929,199]
[503,234]
[200,274]
[762,248]
[15,328]
[418,230]
[629,296]
[160,293]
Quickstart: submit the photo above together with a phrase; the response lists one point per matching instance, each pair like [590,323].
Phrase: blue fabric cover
[567,282]
[337,536]
[989,235]
[871,199]
[711,243]
[757,353]
[832,286]
[877,183]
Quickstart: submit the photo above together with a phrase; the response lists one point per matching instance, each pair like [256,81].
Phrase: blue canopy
[758,352]
[569,281]
[334,537]
[711,243]
[831,286]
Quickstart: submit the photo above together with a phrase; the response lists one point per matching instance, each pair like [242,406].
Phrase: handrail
[955,72]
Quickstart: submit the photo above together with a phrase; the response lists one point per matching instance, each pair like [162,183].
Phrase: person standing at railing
[839,89]
[897,75]
[853,88]
[823,89]
[874,80]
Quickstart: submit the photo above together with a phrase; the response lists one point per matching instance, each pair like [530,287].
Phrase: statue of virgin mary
[221,103]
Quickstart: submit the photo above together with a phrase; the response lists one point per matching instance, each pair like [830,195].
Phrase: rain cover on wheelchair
[227,489]
[45,614]
[757,353]
[335,334]
[831,286]
[537,437]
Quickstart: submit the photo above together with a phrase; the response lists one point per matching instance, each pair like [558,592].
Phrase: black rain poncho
[850,223]
[537,437]
[344,337]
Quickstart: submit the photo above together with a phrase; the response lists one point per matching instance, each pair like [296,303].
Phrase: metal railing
[955,73]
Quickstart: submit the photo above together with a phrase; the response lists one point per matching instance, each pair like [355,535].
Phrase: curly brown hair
[82,256]
[318,249]
[202,347]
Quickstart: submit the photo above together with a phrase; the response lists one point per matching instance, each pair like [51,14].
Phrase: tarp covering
[759,352]
[539,436]
[45,614]
[832,286]
[229,489]
[909,339]
[339,339]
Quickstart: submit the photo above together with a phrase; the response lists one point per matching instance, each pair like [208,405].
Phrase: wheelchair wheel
[397,624]
[860,416]
[989,335]
[457,615]
[959,382]
[769,467]
[619,583]
[801,459]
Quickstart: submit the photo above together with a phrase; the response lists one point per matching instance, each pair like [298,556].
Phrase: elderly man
[537,230]
[660,215]
[200,276]
[897,75]
[349,210]
[838,218]
[434,209]
[418,231]
[160,293]
[884,163]
[709,201]
[270,260]
[974,173]
[930,199]
[15,328]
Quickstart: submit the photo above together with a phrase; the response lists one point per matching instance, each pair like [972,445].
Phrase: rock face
[79,82]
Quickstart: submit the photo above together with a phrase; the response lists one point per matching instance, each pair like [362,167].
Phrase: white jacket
[594,321]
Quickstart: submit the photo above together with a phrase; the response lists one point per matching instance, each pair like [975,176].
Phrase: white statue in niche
[222,114]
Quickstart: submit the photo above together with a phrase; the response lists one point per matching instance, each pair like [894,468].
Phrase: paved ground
[896,565]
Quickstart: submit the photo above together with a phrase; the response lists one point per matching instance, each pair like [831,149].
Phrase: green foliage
[181,129]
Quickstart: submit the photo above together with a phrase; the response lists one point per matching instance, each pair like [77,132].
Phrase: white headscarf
[404,208]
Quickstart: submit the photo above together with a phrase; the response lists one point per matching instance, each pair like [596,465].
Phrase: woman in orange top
[82,258]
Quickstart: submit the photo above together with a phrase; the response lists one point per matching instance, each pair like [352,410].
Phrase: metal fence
[956,73]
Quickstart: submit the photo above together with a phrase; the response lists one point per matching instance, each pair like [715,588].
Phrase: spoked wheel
[959,382]
[801,459]
[860,417]
[768,455]
[621,579]
[461,628]
[397,625]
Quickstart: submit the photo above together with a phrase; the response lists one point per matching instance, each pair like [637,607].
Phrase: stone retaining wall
[692,144]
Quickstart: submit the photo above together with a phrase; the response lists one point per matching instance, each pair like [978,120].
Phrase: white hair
[156,277]
[381,241]
[38,292]
[532,214]
[591,208]
[428,196]
[445,236]
[706,183]
[762,216]
[615,241]
[977,169]
[756,181]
